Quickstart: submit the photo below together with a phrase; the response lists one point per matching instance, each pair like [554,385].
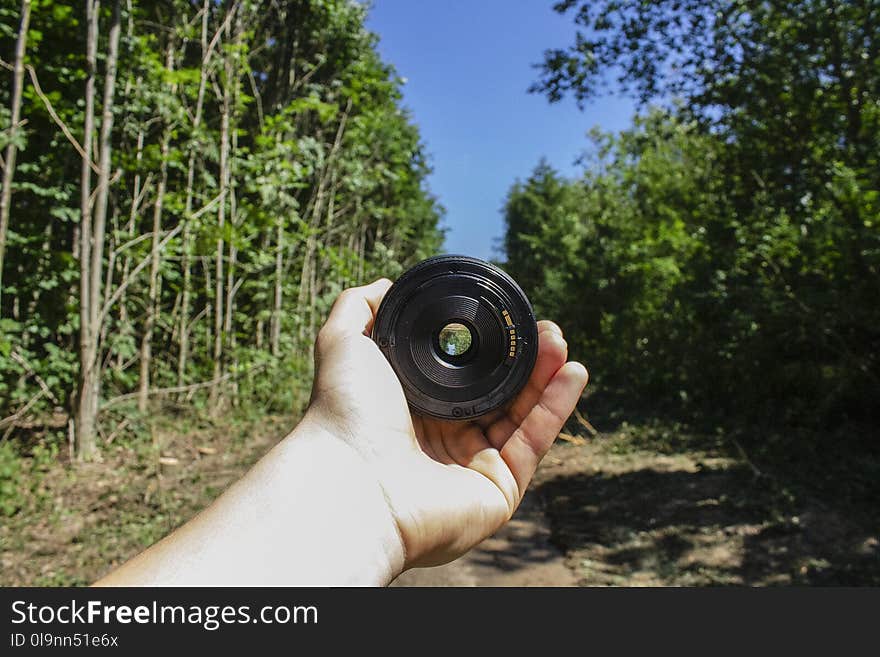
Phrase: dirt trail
[611,513]
[520,554]
[642,506]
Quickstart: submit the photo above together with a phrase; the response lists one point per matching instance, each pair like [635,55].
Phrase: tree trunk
[152,299]
[214,398]
[155,262]
[87,406]
[92,233]
[233,251]
[231,284]
[12,149]
[124,324]
[184,331]
[279,289]
[209,308]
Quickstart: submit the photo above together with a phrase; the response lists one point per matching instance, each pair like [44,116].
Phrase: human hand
[448,484]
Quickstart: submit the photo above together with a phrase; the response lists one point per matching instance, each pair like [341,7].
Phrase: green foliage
[21,475]
[720,257]
[10,479]
[325,187]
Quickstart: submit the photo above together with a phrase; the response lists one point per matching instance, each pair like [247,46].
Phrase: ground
[79,521]
[605,509]
[606,513]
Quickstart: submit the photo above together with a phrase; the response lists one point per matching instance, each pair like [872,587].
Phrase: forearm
[309,513]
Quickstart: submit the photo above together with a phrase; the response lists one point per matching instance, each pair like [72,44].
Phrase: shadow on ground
[684,522]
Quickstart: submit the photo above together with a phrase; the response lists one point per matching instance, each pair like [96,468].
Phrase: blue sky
[468,66]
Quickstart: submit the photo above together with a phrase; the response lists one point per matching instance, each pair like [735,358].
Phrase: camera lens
[460,334]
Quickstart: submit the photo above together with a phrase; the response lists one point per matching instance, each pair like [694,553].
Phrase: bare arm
[361,489]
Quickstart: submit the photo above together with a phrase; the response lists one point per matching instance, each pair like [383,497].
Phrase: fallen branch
[175,389]
[13,419]
[119,428]
[18,358]
[574,440]
[745,457]
[585,423]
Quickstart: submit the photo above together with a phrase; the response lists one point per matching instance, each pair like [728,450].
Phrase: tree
[238,163]
[92,228]
[14,129]
[733,235]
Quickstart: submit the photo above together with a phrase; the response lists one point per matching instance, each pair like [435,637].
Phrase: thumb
[355,309]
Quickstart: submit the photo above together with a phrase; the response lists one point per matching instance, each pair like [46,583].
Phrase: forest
[720,260]
[188,184]
[186,187]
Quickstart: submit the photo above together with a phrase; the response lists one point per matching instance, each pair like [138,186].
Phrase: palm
[469,488]
[449,484]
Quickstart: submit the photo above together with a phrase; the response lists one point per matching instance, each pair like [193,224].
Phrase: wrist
[349,504]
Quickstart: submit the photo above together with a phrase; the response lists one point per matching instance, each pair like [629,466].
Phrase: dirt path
[613,513]
[521,554]
[642,506]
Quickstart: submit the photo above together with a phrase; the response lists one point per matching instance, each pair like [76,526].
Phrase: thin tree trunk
[155,261]
[233,251]
[92,251]
[218,266]
[111,266]
[313,298]
[184,331]
[228,329]
[152,299]
[279,288]
[231,284]
[214,398]
[261,323]
[102,192]
[12,149]
[124,324]
[87,403]
[209,308]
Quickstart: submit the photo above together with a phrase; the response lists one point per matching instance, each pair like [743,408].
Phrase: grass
[67,524]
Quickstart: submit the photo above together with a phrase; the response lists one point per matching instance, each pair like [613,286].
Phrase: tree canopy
[195,181]
[722,255]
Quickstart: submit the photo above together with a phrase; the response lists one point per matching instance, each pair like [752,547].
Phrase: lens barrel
[460,334]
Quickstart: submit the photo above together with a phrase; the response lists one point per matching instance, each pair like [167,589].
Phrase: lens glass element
[455,339]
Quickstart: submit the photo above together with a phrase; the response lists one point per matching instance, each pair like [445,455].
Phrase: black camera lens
[460,334]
